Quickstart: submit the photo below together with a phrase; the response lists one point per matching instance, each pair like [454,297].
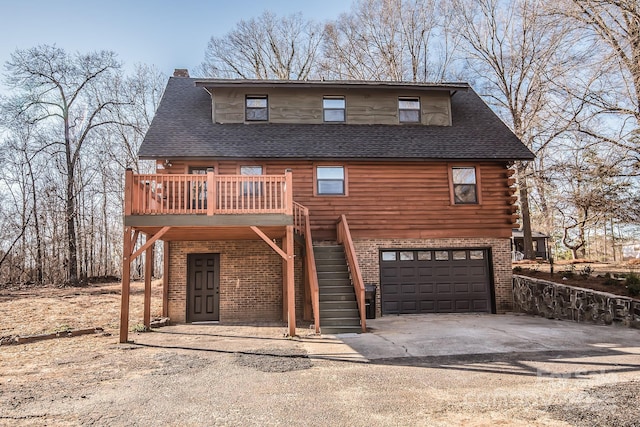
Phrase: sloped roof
[182,127]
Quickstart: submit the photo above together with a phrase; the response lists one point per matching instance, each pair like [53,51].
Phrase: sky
[167,34]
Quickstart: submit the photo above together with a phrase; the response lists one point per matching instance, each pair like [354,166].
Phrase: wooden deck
[207,195]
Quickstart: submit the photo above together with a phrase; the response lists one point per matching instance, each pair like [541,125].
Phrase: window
[333,109]
[330,180]
[199,188]
[253,188]
[409,110]
[465,190]
[257,108]
[389,256]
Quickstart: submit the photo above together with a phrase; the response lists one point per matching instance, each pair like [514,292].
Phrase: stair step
[332,305]
[325,297]
[340,313]
[340,321]
[334,330]
[333,276]
[328,248]
[336,288]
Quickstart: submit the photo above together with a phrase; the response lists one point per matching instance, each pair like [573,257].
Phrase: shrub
[633,284]
[586,271]
[610,281]
[517,269]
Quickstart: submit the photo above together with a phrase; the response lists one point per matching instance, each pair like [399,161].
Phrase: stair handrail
[344,238]
[303,226]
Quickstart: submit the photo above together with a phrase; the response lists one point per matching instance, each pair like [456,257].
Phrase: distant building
[540,244]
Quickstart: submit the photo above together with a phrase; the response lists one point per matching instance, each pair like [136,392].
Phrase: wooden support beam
[165,280]
[290,280]
[126,286]
[134,239]
[269,242]
[285,285]
[148,271]
[149,242]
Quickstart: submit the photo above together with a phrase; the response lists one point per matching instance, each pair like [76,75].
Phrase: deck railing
[302,226]
[207,194]
[344,237]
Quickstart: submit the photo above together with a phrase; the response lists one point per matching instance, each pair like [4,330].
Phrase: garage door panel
[408,288]
[444,288]
[462,305]
[407,272]
[444,306]
[409,307]
[391,307]
[462,288]
[427,306]
[480,305]
[427,289]
[431,281]
[425,271]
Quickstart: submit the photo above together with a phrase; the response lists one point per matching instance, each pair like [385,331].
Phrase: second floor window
[465,189]
[257,108]
[330,180]
[409,110]
[333,109]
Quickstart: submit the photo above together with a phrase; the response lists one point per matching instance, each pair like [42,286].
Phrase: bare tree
[267,47]
[614,26]
[389,40]
[67,94]
[516,54]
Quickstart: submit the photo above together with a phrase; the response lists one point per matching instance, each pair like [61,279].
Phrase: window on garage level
[464,185]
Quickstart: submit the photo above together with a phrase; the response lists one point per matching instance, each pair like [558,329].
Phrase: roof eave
[330,84]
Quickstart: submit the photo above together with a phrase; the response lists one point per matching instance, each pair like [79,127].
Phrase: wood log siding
[394,199]
[305,106]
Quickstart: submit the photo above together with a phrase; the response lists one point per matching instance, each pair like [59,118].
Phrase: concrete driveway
[478,335]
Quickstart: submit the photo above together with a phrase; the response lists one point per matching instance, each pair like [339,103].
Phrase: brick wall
[368,258]
[250,280]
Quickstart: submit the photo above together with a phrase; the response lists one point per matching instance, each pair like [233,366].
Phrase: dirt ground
[253,375]
[589,275]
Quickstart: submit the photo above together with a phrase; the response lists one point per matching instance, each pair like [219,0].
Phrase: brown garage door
[435,281]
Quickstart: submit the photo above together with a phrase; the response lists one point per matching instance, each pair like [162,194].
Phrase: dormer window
[333,109]
[257,108]
[409,110]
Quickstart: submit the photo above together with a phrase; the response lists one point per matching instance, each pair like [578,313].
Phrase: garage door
[435,281]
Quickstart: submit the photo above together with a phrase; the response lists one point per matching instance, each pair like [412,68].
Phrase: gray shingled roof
[182,127]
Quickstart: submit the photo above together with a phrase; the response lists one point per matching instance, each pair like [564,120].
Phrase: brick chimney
[180,72]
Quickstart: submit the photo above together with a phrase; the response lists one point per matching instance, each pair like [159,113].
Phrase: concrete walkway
[433,335]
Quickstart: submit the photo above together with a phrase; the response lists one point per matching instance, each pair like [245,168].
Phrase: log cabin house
[284,200]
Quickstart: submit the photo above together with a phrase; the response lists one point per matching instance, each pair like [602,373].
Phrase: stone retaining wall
[554,300]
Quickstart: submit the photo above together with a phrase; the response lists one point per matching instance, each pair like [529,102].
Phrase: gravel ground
[239,376]
[236,380]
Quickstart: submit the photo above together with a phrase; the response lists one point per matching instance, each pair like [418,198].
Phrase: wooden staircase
[338,306]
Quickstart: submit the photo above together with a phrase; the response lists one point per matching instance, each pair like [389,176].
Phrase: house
[282,200]
[540,244]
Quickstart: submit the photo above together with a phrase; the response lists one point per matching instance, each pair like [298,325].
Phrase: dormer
[330,102]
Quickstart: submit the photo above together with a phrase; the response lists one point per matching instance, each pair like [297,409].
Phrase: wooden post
[128,185]
[290,277]
[285,285]
[211,192]
[306,309]
[126,285]
[147,286]
[288,189]
[165,280]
